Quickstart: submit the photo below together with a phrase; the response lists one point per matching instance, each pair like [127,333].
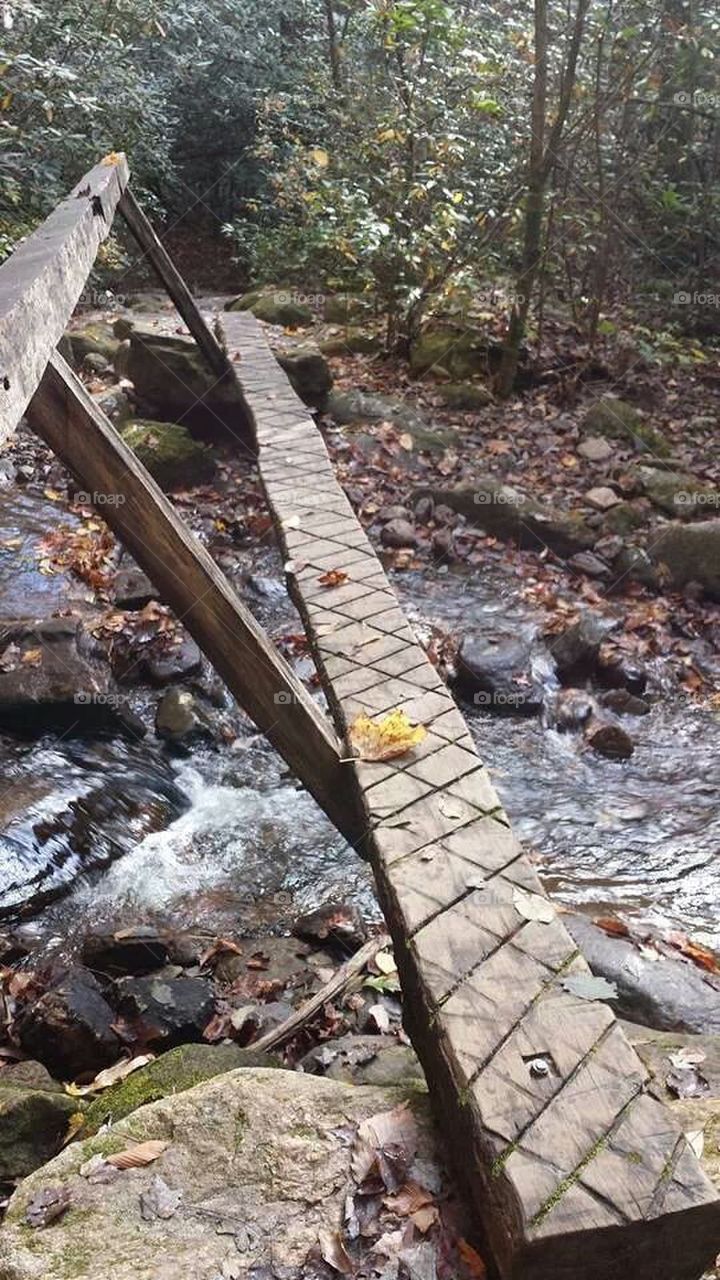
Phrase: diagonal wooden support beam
[144,520]
[576,1170]
[170,277]
[42,281]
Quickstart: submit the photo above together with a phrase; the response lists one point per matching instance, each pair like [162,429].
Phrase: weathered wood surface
[190,582]
[42,281]
[576,1171]
[159,258]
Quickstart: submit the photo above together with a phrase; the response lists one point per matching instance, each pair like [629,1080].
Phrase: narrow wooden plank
[189,580]
[575,1170]
[41,282]
[163,265]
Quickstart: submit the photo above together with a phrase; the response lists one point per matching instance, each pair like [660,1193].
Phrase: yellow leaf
[392,735]
[52,494]
[32,657]
[112,157]
[75,1124]
[320,157]
[110,1076]
[139,1155]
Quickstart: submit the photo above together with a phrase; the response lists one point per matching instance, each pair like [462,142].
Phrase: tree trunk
[336,70]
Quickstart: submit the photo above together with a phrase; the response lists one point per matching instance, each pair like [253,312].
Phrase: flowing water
[108,831]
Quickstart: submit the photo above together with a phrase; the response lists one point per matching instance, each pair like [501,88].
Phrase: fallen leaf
[385,962]
[47,1206]
[614,927]
[384,1149]
[411,1197]
[75,1124]
[531,906]
[474,1264]
[160,1201]
[587,987]
[333,1252]
[425,1218]
[139,1155]
[380,1016]
[32,658]
[333,578]
[111,1075]
[384,739]
[112,157]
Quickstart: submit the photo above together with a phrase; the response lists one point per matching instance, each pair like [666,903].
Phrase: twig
[333,988]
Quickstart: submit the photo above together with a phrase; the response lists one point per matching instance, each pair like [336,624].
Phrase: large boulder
[342,308]
[173,383]
[34,1117]
[469,396]
[496,672]
[353,341]
[97,338]
[70,1029]
[255,1180]
[452,350]
[678,494]
[308,371]
[275,306]
[169,452]
[615,419]
[349,408]
[513,516]
[686,553]
[172,1010]
[49,668]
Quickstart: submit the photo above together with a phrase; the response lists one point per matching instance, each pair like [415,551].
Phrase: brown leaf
[384,1150]
[474,1264]
[333,578]
[614,927]
[333,1252]
[138,1156]
[411,1197]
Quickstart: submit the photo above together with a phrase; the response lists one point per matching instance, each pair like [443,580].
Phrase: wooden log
[190,582]
[41,282]
[159,258]
[575,1169]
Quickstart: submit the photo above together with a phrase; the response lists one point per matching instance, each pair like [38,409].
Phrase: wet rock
[335,922]
[239,1214]
[575,651]
[174,663]
[624,703]
[469,396]
[171,1010]
[173,383]
[511,515]
[308,371]
[180,716]
[385,514]
[49,668]
[398,533]
[669,994]
[495,671]
[169,452]
[70,1028]
[615,419]
[658,1048]
[251,1021]
[33,1123]
[609,739]
[132,588]
[443,545]
[617,670]
[689,553]
[602,498]
[171,1073]
[424,508]
[595,449]
[274,305]
[364,1060]
[128,951]
[587,562]
[572,708]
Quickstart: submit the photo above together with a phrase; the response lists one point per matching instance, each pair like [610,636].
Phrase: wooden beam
[41,282]
[574,1168]
[188,579]
[170,277]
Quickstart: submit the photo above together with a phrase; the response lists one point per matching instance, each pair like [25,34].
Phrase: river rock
[587,562]
[113,955]
[274,305]
[339,923]
[34,1119]
[341,308]
[624,703]
[164,665]
[115,403]
[575,651]
[180,717]
[609,739]
[595,449]
[572,708]
[615,419]
[172,1010]
[169,453]
[495,671]
[364,1060]
[262,1163]
[618,670]
[398,533]
[132,589]
[689,553]
[308,371]
[353,341]
[673,995]
[93,339]
[509,514]
[348,408]
[70,1027]
[456,351]
[601,498]
[173,383]
[50,668]
[465,396]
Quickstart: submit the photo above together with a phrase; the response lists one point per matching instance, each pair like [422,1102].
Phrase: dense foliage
[386,142]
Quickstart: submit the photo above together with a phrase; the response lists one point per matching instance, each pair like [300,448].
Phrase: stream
[114,831]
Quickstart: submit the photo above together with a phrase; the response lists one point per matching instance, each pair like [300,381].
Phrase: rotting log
[70,422]
[575,1169]
[164,267]
[42,281]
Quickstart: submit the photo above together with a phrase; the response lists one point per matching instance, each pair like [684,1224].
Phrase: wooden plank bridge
[576,1171]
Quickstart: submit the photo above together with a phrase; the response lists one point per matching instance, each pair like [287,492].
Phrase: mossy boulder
[342,308]
[94,339]
[469,396]
[350,408]
[34,1119]
[275,306]
[352,341]
[510,514]
[455,351]
[173,383]
[308,371]
[689,553]
[169,452]
[615,419]
[678,494]
[624,518]
[171,1073]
